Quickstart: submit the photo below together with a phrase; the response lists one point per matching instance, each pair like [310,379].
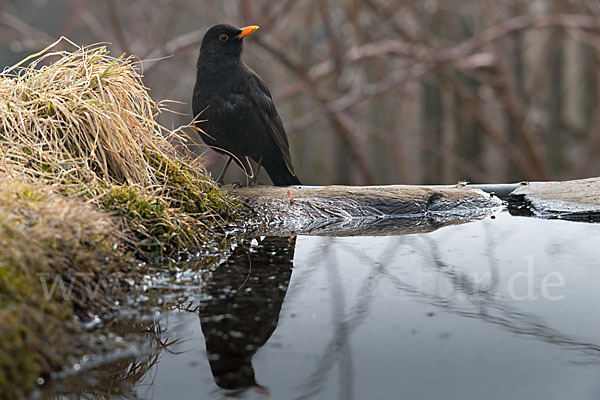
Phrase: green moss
[168,222]
[19,363]
[14,284]
[149,219]
[37,337]
[132,204]
[29,194]
[35,332]
[193,191]
[45,237]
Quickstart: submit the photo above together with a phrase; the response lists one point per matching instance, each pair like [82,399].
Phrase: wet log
[351,210]
[574,200]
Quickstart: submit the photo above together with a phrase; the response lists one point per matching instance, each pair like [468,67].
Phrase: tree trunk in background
[469,143]
[519,81]
[431,123]
[555,103]
[588,98]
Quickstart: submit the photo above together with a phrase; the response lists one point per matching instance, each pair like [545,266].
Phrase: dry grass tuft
[76,116]
[84,122]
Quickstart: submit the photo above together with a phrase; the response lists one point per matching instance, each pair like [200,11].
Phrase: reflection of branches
[338,348]
[302,277]
[484,299]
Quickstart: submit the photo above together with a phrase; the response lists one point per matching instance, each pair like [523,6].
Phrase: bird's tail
[279,173]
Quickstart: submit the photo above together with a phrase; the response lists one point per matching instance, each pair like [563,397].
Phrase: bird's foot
[249,183]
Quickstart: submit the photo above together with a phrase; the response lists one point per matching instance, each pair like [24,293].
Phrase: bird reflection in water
[245,298]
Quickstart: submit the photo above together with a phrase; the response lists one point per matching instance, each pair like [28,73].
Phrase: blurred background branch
[374,91]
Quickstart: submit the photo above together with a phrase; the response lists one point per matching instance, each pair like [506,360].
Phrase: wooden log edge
[361,209]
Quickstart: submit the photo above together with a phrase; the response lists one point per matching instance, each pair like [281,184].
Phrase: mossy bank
[90,184]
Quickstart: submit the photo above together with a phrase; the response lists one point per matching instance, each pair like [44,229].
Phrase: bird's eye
[223,37]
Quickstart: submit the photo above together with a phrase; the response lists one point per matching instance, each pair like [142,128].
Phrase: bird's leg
[251,175]
[221,180]
[254,180]
[245,162]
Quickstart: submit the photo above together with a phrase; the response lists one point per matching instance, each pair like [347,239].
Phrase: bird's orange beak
[246,31]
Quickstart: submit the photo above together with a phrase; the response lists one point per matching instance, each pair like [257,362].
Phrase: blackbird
[235,106]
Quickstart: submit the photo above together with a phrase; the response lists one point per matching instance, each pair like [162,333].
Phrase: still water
[504,307]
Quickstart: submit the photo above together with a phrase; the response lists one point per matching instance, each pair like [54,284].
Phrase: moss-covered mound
[89,182]
[52,247]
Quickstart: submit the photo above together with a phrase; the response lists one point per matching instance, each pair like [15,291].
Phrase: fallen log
[354,210]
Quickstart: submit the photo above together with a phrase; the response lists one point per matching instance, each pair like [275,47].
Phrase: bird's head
[225,40]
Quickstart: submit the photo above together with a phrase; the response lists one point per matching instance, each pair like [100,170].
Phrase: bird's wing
[262,98]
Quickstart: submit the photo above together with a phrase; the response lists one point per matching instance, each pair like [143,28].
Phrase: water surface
[498,308]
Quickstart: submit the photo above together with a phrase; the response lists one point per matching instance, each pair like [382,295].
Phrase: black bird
[234,103]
